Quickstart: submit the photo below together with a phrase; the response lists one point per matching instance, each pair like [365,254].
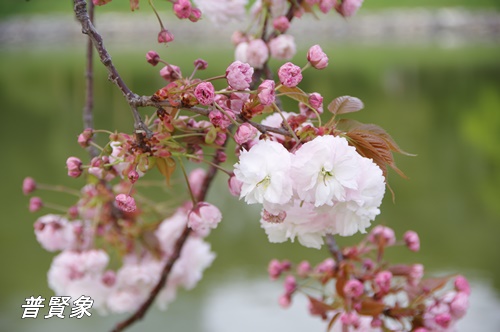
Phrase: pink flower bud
[316,101]
[281,24]
[317,58]
[234,186]
[205,93]
[303,269]
[244,133]
[73,212]
[459,305]
[326,5]
[36,204]
[182,8]
[382,235]
[195,15]
[443,320]
[238,37]
[285,301]
[327,266]
[421,329]
[383,281]
[462,285]
[368,264]
[290,284]
[29,185]
[200,64]
[74,167]
[274,269]
[266,92]
[353,288]
[125,203]
[239,75]
[152,57]
[196,178]
[412,241]
[85,137]
[165,36]
[219,119]
[290,75]
[170,73]
[348,8]
[204,216]
[133,175]
[220,139]
[349,318]
[221,156]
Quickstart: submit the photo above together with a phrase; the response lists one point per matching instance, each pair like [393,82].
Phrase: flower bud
[74,167]
[196,178]
[152,57]
[125,203]
[205,93]
[290,75]
[290,284]
[170,73]
[303,269]
[317,58]
[274,269]
[382,235]
[347,8]
[133,175]
[200,64]
[29,185]
[266,92]
[182,8]
[234,186]
[281,24]
[383,281]
[244,133]
[36,204]
[353,288]
[412,241]
[165,36]
[285,301]
[204,216]
[462,285]
[195,15]
[85,137]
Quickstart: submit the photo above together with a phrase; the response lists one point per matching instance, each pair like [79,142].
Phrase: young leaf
[166,166]
[345,104]
[294,93]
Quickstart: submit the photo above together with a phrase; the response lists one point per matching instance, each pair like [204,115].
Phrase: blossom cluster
[325,187]
[359,291]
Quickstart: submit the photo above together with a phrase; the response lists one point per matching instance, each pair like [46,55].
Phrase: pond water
[441,104]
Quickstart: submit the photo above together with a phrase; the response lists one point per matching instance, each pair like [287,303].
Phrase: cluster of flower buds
[360,291]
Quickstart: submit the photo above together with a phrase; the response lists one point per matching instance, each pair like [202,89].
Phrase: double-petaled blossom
[204,216]
[266,92]
[239,75]
[264,173]
[290,75]
[205,93]
[256,53]
[282,47]
[244,133]
[348,8]
[54,232]
[125,203]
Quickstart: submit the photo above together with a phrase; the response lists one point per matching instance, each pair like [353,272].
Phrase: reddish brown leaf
[332,321]
[345,104]
[371,308]
[319,307]
[294,93]
[166,166]
[433,284]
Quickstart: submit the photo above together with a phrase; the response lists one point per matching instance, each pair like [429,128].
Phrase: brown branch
[334,248]
[87,113]
[80,8]
[141,311]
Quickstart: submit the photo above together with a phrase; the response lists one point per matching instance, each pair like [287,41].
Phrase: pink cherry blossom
[54,232]
[182,8]
[317,58]
[239,75]
[165,36]
[244,133]
[29,185]
[152,58]
[412,241]
[222,11]
[326,5]
[257,53]
[170,73]
[35,204]
[205,93]
[281,24]
[282,47]
[383,281]
[266,92]
[125,203]
[74,167]
[290,75]
[353,288]
[348,8]
[204,216]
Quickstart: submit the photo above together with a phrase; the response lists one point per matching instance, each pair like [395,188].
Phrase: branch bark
[334,248]
[80,8]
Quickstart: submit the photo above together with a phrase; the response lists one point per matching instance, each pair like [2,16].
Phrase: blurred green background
[440,103]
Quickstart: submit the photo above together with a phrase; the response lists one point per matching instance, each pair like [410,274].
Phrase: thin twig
[139,313]
[80,8]
[88,116]
[334,248]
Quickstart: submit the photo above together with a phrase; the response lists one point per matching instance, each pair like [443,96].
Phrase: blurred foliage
[20,7]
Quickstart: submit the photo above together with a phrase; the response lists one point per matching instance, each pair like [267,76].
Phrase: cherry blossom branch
[88,116]
[167,268]
[80,9]
[333,247]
